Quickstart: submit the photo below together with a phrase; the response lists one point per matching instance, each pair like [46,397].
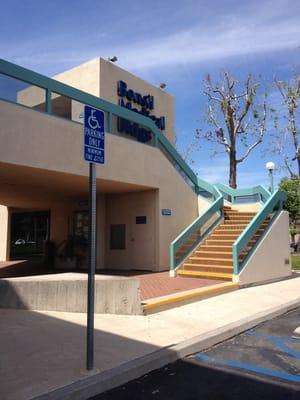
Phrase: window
[117,237]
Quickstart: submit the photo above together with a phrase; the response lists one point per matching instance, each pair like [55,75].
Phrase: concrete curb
[97,383]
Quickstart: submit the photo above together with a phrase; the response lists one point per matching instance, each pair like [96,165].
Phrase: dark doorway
[29,232]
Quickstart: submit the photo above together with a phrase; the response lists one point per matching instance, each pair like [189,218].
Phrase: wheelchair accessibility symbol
[93,121]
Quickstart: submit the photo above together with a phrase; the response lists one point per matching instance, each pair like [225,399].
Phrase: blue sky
[171,41]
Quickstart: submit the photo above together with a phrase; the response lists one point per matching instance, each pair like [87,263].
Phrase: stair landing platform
[160,292]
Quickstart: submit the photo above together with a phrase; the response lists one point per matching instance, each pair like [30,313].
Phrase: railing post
[48,101]
[109,123]
[172,261]
[235,257]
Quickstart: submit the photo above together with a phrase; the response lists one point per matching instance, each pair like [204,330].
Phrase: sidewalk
[45,351]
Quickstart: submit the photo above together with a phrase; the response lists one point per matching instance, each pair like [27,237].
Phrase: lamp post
[270,167]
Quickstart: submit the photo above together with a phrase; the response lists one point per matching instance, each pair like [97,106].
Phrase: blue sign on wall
[94,137]
[166,211]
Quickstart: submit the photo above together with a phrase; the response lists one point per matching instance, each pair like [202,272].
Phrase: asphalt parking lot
[262,363]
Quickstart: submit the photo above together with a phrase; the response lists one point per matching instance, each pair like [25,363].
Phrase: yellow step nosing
[204,273]
[187,294]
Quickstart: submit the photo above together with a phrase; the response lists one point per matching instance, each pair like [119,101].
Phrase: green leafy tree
[292,205]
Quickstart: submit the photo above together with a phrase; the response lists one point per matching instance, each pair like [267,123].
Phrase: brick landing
[160,284]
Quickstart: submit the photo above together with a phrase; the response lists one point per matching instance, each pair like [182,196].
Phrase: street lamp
[270,167]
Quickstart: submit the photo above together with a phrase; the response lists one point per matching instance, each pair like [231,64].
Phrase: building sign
[166,211]
[131,100]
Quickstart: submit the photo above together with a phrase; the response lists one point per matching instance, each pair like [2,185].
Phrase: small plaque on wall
[166,211]
[142,219]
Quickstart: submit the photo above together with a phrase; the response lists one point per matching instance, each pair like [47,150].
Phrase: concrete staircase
[212,259]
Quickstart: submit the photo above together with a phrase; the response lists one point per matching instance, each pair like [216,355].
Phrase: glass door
[29,231]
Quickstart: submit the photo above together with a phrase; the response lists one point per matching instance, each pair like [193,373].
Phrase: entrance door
[29,231]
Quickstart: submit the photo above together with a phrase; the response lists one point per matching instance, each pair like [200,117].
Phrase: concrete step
[201,267]
[236,222]
[210,261]
[231,231]
[215,248]
[232,226]
[212,254]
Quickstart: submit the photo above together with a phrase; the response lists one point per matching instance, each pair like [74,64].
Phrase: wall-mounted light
[113,58]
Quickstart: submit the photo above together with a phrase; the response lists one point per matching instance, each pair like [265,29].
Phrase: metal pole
[271,180]
[91,268]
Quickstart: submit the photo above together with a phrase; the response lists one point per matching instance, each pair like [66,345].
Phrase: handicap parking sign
[94,136]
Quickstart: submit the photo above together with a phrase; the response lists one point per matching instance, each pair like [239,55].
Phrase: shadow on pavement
[187,380]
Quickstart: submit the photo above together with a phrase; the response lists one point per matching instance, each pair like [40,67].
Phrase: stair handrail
[259,190]
[273,204]
[216,206]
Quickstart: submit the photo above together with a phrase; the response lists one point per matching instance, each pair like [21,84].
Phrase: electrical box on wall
[142,219]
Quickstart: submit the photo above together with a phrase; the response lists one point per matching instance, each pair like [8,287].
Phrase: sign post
[94,153]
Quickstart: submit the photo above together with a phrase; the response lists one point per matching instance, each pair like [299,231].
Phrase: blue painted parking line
[248,367]
[277,341]
[285,338]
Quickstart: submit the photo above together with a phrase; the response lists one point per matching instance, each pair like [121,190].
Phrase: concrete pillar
[4,233]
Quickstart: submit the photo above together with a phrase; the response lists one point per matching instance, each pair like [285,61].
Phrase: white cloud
[256,28]
[240,37]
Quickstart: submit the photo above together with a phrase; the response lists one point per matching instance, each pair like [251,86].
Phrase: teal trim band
[273,205]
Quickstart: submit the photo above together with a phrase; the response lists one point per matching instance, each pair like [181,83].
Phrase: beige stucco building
[153,212]
[44,179]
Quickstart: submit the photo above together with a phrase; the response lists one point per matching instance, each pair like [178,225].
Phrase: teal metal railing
[268,213]
[199,229]
[244,195]
[51,86]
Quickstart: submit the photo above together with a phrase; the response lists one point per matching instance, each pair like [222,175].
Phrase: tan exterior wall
[100,78]
[101,233]
[271,260]
[85,77]
[203,204]
[140,248]
[4,233]
[49,144]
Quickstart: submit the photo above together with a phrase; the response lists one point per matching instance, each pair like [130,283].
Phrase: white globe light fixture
[270,167]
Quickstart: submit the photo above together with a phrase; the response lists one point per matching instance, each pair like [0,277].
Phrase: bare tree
[290,92]
[238,120]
